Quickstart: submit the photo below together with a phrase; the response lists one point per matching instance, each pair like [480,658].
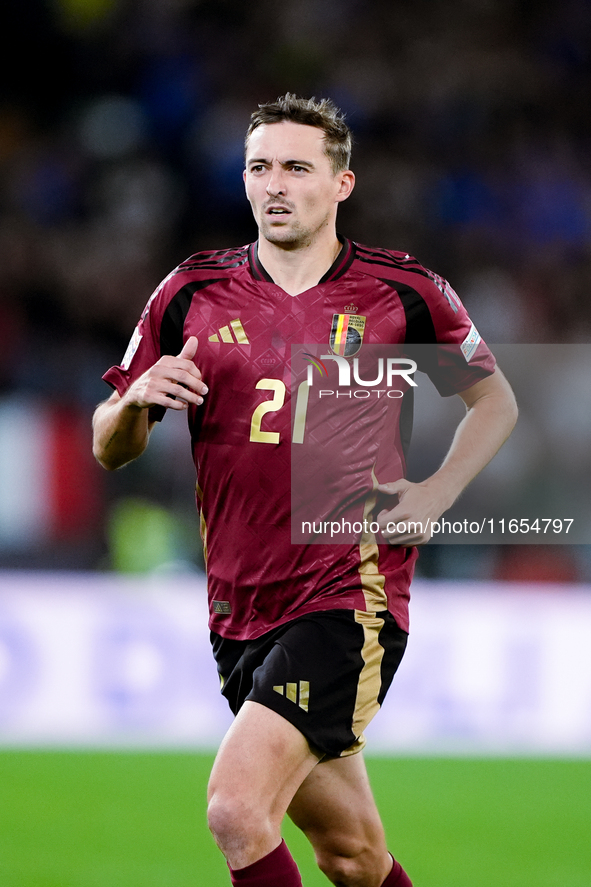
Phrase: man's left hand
[410,521]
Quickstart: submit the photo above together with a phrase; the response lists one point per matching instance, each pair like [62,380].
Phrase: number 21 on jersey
[274,404]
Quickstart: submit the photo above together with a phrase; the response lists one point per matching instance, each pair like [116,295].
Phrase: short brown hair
[322,114]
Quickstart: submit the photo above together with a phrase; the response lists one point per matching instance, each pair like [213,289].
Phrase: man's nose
[276,184]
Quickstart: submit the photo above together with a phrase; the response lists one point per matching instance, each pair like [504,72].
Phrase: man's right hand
[122,424]
[173,382]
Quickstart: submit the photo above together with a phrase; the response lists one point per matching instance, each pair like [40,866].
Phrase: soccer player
[307,636]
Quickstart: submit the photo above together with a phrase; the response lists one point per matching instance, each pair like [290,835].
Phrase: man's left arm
[491,413]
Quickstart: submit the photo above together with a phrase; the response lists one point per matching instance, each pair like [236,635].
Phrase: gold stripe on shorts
[370,679]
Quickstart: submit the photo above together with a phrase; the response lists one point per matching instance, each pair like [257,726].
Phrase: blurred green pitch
[92,819]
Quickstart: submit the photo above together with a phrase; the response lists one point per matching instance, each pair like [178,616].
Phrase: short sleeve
[143,350]
[444,341]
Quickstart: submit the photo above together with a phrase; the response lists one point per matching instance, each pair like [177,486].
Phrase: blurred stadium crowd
[121,128]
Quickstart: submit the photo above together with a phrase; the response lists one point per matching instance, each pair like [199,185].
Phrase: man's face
[290,184]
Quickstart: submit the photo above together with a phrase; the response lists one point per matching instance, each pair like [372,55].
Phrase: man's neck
[299,269]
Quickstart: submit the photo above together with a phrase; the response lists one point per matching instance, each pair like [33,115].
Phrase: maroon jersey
[259,426]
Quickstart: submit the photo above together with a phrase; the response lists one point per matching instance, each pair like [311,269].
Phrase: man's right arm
[121,424]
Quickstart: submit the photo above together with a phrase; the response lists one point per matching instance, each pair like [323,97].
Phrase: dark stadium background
[121,127]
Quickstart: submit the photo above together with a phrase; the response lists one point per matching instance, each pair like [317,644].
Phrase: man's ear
[347,183]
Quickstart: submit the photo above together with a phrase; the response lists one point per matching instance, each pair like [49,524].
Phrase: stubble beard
[291,237]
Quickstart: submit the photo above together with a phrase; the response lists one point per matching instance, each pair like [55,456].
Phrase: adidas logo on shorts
[290,691]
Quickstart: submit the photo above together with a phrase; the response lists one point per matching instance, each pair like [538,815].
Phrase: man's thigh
[261,762]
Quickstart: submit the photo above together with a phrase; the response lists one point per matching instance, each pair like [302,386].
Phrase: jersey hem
[233,635]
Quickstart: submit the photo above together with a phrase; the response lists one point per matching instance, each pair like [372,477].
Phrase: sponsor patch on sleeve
[470,343]
[132,348]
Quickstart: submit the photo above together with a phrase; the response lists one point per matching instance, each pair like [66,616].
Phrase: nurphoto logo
[389,370]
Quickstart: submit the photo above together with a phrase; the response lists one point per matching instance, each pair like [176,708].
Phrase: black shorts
[326,672]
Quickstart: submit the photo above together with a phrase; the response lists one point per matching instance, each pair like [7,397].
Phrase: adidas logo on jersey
[290,691]
[224,334]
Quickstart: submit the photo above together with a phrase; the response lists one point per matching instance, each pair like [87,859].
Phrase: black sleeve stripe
[407,267]
[220,259]
[173,320]
[399,261]
[420,329]
[391,260]
[376,253]
[209,265]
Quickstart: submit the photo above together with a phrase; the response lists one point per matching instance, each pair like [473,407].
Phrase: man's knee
[233,821]
[352,864]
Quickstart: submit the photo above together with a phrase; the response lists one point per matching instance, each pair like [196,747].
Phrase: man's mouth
[277,211]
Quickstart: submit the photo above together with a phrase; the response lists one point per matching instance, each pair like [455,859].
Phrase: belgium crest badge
[346,334]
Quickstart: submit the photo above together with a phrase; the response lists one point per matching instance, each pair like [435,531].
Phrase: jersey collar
[336,270]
